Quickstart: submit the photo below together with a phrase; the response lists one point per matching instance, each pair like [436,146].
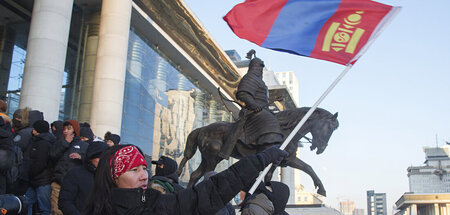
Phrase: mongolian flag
[332,30]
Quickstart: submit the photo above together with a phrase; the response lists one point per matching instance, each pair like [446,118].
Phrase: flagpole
[300,124]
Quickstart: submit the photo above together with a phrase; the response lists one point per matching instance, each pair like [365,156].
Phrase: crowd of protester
[64,168]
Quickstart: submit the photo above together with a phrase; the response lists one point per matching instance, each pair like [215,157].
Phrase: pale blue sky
[394,101]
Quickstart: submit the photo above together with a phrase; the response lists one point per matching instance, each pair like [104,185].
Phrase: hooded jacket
[60,155]
[258,205]
[78,182]
[23,136]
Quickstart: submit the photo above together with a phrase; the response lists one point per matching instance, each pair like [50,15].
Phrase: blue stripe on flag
[298,25]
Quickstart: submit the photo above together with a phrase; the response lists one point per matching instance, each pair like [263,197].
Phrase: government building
[147,70]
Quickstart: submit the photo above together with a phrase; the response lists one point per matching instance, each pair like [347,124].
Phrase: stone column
[46,57]
[414,209]
[110,70]
[90,53]
[7,36]
[287,177]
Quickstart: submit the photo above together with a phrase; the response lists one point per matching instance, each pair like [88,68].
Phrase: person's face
[134,178]
[53,128]
[68,130]
[95,161]
[34,132]
[110,143]
[84,139]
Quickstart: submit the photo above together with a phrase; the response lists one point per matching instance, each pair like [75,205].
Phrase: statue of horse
[209,140]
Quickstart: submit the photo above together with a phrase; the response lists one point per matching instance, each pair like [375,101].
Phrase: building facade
[347,207]
[434,176]
[291,81]
[376,203]
[143,69]
[423,204]
[429,186]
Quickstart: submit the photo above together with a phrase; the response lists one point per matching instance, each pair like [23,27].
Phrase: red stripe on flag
[253,19]
[348,30]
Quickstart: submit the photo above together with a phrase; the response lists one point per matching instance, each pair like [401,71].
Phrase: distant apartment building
[290,80]
[347,207]
[357,211]
[429,186]
[376,203]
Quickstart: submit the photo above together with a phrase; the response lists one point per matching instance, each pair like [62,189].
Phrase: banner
[331,30]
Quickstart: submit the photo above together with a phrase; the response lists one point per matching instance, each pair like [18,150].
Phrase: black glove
[272,155]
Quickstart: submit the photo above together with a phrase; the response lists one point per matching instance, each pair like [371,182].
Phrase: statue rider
[257,124]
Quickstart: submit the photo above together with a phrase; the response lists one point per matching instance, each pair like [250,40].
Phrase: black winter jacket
[41,172]
[75,189]
[60,154]
[206,198]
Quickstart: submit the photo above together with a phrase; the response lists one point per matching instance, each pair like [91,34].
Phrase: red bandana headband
[125,159]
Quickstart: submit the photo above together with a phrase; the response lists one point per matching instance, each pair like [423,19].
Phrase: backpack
[17,157]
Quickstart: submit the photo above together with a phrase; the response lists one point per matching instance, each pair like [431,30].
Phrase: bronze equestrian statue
[259,124]
[257,129]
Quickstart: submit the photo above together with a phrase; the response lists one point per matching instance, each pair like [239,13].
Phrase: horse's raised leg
[189,150]
[299,164]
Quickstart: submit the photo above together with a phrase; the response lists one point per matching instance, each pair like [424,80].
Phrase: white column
[107,101]
[90,57]
[287,177]
[413,209]
[46,57]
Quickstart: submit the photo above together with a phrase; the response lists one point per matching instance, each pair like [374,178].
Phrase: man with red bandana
[120,185]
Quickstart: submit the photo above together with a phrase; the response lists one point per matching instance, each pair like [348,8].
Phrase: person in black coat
[165,171]
[275,192]
[228,209]
[66,154]
[23,120]
[78,182]
[40,173]
[6,153]
[120,185]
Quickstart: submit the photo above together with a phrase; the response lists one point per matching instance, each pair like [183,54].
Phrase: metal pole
[300,124]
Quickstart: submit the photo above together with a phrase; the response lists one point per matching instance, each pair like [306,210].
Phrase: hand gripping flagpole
[299,125]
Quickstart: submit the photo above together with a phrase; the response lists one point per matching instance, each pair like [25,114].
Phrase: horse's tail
[189,150]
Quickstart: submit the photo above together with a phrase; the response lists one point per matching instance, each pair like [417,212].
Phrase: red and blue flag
[332,30]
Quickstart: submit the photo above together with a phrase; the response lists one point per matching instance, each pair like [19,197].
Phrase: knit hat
[75,125]
[41,126]
[95,149]
[113,137]
[125,159]
[85,131]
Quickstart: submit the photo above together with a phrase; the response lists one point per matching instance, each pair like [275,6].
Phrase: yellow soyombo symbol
[344,35]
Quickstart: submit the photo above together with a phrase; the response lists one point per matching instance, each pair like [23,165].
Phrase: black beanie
[113,137]
[95,149]
[85,131]
[41,126]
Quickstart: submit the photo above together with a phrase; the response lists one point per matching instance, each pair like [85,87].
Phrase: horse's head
[321,132]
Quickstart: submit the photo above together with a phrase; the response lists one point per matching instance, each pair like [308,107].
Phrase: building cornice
[176,19]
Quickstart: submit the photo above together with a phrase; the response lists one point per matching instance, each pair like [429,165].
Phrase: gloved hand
[272,155]
[256,108]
